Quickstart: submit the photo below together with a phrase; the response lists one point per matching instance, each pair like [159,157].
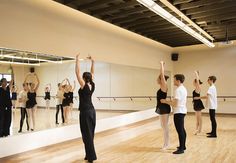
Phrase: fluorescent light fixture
[160,11]
[31,59]
[151,5]
[147,3]
[20,63]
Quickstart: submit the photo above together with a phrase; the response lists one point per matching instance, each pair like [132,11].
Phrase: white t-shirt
[212,97]
[181,96]
[59,97]
[23,96]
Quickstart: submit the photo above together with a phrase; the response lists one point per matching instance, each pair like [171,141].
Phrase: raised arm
[92,65]
[38,82]
[77,71]
[162,77]
[11,84]
[26,77]
[198,89]
[73,88]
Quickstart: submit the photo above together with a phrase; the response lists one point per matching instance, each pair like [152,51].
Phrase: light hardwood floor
[141,143]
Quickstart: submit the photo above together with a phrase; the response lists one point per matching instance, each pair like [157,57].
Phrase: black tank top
[161,95]
[5,97]
[47,96]
[85,97]
[32,98]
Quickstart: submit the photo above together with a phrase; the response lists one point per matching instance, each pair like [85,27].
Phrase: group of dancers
[87,117]
[178,103]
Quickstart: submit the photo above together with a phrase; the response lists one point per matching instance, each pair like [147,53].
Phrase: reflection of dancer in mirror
[22,102]
[31,103]
[59,96]
[197,103]
[5,107]
[14,97]
[47,96]
[87,112]
[71,98]
[164,109]
[66,99]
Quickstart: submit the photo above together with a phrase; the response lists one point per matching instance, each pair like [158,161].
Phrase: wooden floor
[141,143]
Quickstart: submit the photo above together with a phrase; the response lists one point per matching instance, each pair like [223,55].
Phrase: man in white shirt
[22,100]
[212,105]
[180,110]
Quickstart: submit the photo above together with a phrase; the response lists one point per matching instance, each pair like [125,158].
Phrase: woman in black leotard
[66,99]
[31,103]
[87,112]
[163,109]
[47,96]
[14,96]
[197,103]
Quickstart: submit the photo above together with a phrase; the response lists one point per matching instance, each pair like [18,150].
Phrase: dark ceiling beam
[92,4]
[67,1]
[176,2]
[133,18]
[213,13]
[114,8]
[210,8]
[154,27]
[160,31]
[219,17]
[196,4]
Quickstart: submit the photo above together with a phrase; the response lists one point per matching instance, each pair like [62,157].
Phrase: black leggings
[87,127]
[23,114]
[5,121]
[212,113]
[179,125]
[62,114]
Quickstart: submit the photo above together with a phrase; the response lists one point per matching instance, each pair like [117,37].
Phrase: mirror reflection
[34,85]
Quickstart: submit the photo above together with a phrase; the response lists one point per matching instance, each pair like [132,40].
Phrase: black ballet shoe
[183,149]
[32,129]
[85,158]
[20,131]
[178,151]
[209,133]
[212,136]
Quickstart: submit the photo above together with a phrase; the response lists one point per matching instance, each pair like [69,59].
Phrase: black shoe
[178,151]
[19,131]
[85,158]
[209,133]
[212,136]
[183,149]
[32,129]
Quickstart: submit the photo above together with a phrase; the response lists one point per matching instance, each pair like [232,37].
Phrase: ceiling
[213,16]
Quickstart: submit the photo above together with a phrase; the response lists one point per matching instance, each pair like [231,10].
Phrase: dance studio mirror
[120,89]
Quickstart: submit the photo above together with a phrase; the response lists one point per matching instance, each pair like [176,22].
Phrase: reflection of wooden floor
[141,143]
[45,119]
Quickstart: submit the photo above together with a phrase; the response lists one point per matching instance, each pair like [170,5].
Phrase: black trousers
[87,128]
[212,113]
[23,114]
[5,121]
[62,113]
[179,125]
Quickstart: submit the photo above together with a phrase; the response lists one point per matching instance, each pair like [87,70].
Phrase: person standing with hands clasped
[87,115]
[180,110]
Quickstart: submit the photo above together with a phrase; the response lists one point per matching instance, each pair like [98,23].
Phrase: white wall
[219,61]
[49,27]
